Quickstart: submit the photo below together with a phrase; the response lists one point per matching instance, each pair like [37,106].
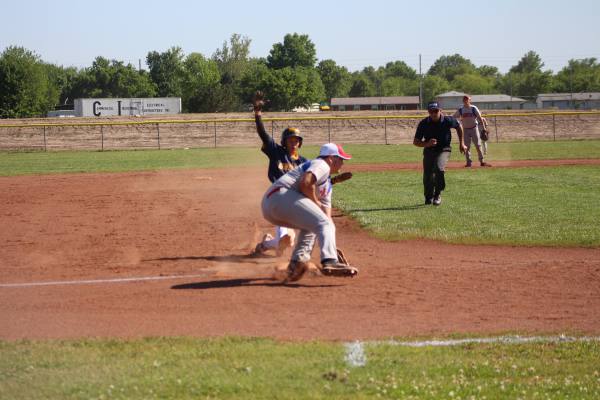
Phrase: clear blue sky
[353,33]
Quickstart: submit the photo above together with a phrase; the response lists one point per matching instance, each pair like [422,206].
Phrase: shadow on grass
[401,208]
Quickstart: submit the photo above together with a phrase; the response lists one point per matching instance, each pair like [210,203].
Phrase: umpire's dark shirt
[440,130]
[280,161]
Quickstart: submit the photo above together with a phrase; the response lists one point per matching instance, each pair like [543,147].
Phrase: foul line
[96,281]
[355,353]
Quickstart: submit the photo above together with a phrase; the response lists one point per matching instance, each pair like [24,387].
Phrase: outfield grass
[180,368]
[555,206]
[20,163]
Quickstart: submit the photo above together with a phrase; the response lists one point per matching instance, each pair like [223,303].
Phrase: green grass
[555,206]
[25,163]
[497,151]
[180,368]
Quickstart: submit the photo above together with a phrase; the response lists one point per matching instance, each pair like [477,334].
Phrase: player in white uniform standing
[301,199]
[470,118]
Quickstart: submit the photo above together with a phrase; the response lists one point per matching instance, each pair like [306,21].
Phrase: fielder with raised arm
[283,157]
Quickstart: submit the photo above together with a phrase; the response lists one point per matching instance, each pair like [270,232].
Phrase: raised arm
[258,101]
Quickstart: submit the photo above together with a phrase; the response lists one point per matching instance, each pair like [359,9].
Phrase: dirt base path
[74,247]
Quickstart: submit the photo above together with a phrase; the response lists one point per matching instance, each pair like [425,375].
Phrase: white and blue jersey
[320,169]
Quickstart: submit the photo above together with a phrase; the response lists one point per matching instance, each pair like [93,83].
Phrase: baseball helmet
[288,133]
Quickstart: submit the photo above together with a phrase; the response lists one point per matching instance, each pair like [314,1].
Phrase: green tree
[295,87]
[112,78]
[362,86]
[433,85]
[61,81]
[578,76]
[488,71]
[395,86]
[526,79]
[232,60]
[530,62]
[473,83]
[285,88]
[256,77]
[201,85]
[526,85]
[376,77]
[336,79]
[24,86]
[448,67]
[295,51]
[166,71]
[399,69]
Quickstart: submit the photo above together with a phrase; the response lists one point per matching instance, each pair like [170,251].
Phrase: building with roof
[569,101]
[453,100]
[374,103]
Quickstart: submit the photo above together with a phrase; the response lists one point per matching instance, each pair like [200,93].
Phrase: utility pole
[571,85]
[511,96]
[420,85]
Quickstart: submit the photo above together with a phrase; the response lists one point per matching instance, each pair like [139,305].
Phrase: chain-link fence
[189,133]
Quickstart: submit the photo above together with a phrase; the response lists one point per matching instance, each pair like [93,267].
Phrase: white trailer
[136,106]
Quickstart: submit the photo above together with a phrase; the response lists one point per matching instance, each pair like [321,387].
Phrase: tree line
[291,75]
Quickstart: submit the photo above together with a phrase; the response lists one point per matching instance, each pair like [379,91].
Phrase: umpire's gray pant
[287,207]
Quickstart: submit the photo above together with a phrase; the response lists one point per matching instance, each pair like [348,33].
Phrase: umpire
[434,135]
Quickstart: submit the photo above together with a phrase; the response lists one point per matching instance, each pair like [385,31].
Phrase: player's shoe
[484,164]
[284,243]
[260,248]
[437,200]
[296,270]
[468,164]
[338,269]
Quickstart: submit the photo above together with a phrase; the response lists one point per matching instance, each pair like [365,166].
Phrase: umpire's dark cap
[433,105]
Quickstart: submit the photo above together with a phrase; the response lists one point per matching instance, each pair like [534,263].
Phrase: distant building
[102,107]
[374,103]
[314,107]
[453,100]
[568,101]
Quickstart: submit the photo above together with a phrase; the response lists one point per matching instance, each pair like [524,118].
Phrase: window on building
[356,107]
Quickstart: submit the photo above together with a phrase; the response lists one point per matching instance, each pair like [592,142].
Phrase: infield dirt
[201,225]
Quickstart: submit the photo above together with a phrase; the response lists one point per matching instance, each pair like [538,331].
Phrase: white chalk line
[356,357]
[98,281]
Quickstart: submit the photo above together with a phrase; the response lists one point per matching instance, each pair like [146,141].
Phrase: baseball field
[129,274]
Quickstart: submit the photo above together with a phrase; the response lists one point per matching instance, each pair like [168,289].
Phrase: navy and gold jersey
[280,162]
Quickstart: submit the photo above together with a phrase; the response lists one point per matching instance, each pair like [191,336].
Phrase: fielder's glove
[341,177]
[484,134]
[258,100]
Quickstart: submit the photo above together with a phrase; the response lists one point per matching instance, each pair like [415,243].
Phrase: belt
[273,191]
